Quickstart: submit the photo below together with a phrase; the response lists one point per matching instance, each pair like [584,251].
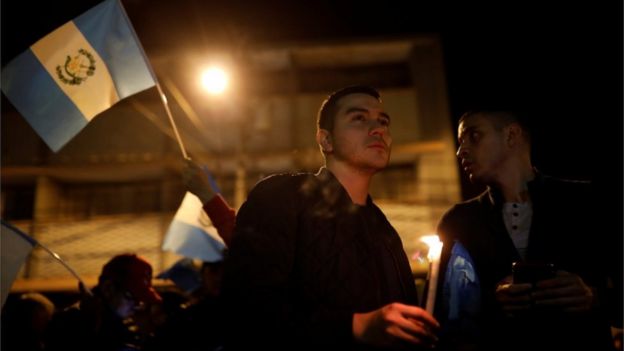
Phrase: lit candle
[435,249]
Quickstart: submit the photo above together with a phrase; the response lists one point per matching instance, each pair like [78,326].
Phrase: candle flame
[435,245]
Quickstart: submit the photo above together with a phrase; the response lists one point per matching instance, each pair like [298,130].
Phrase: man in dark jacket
[314,263]
[547,224]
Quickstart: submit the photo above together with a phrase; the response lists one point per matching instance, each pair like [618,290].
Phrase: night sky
[562,63]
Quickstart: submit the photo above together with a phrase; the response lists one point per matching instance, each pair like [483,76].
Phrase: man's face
[482,149]
[123,303]
[117,297]
[361,136]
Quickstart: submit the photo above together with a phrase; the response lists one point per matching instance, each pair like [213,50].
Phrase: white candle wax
[435,250]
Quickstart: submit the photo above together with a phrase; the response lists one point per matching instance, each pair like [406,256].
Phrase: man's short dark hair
[501,119]
[329,108]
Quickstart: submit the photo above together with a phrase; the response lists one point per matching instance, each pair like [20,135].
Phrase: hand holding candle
[435,250]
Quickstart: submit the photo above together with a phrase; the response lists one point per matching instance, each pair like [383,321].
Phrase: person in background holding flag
[200,325]
[103,322]
[199,182]
[527,217]
[192,233]
[313,262]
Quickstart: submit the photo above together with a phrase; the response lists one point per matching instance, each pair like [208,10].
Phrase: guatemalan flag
[462,297]
[191,234]
[76,72]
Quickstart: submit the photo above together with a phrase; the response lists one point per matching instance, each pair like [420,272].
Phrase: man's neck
[513,183]
[356,182]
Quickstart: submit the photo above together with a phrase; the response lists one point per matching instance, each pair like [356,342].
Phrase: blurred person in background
[24,322]
[104,321]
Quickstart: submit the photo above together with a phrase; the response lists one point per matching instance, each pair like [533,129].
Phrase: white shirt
[517,217]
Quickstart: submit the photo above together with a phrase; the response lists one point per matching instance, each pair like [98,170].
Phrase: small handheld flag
[191,233]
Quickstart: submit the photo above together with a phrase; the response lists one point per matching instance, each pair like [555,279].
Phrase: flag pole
[71,270]
[163,98]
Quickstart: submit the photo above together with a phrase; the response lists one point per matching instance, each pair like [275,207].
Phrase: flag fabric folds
[185,273]
[191,234]
[461,284]
[76,72]
[462,297]
[15,246]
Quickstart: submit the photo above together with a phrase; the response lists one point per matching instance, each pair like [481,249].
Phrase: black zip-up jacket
[565,230]
[303,259]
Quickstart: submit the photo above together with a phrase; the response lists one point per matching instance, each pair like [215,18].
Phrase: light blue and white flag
[15,247]
[191,233]
[461,296]
[76,72]
[462,289]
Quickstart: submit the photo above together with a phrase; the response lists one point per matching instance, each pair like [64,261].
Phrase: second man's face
[482,150]
[361,136]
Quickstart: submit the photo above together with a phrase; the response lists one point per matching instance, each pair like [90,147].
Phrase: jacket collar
[494,197]
[334,191]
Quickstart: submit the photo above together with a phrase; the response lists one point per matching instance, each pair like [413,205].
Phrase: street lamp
[214,80]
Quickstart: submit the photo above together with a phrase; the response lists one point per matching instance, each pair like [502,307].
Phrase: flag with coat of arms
[76,72]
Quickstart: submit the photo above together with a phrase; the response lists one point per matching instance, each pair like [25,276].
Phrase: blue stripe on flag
[21,234]
[109,32]
[60,126]
[191,241]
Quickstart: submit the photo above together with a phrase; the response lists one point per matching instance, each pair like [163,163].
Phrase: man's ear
[323,138]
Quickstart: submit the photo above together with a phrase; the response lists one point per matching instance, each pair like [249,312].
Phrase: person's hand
[565,292]
[196,181]
[513,298]
[395,324]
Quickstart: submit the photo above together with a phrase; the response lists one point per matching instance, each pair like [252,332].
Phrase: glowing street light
[214,80]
